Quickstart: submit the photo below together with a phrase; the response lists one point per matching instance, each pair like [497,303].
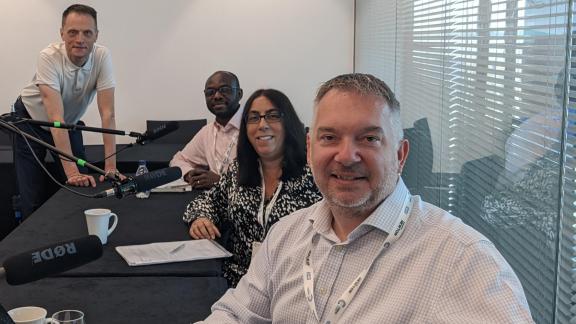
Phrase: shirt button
[322,291]
[339,248]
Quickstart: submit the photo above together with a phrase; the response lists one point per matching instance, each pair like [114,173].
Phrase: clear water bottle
[140,171]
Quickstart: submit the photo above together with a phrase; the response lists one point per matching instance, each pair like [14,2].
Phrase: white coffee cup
[29,315]
[98,221]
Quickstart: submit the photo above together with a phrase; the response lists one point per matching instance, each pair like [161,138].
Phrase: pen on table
[178,248]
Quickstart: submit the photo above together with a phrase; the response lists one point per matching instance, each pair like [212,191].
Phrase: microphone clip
[121,187]
[142,139]
[112,175]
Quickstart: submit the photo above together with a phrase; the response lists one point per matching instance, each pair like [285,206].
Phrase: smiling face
[79,34]
[222,95]
[265,136]
[355,157]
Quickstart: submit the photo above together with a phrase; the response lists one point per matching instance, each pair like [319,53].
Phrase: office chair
[186,130]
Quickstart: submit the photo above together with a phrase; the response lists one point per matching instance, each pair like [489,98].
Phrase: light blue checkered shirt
[439,271]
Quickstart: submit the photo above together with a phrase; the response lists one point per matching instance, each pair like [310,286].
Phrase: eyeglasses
[273,116]
[224,90]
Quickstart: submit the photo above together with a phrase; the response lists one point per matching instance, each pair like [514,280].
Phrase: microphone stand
[57,124]
[78,161]
[141,139]
[116,181]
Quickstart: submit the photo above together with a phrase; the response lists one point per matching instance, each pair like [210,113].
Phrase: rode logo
[54,252]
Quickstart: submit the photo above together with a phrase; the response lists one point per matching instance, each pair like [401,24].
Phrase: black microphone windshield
[158,132]
[51,259]
[157,178]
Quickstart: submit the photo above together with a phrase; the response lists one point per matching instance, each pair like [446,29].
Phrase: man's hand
[81,180]
[201,178]
[203,228]
[114,172]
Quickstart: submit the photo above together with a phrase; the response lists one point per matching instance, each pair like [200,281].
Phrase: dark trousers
[34,185]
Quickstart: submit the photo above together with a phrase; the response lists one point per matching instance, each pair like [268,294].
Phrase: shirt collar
[73,67]
[383,217]
[234,122]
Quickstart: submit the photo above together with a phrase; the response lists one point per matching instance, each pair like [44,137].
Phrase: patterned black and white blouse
[238,205]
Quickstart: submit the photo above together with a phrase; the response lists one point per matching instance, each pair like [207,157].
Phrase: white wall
[164,51]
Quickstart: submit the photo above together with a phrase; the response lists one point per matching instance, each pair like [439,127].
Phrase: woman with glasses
[269,179]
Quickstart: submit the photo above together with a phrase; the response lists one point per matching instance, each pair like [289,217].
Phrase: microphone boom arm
[57,124]
[78,161]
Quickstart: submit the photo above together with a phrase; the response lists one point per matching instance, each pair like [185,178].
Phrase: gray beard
[365,204]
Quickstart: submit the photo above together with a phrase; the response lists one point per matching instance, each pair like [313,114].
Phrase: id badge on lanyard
[264,213]
[223,164]
[344,300]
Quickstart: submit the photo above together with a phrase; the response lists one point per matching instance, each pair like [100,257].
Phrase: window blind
[489,78]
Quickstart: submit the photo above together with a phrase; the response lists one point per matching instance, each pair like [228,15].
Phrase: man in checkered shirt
[370,252]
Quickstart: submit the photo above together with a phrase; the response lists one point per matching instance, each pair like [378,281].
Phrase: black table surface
[140,221]
[121,300]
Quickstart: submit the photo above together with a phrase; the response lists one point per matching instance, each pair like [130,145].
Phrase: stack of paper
[167,252]
[174,186]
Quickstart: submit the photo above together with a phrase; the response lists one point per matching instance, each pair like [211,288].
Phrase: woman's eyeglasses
[273,116]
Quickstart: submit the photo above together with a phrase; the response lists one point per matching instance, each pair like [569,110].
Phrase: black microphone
[157,132]
[142,182]
[52,259]
[4,317]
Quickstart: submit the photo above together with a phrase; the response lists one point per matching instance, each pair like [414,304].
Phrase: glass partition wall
[494,79]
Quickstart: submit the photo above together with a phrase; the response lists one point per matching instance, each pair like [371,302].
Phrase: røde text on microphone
[52,259]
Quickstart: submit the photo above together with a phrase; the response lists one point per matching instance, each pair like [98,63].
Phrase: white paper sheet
[167,252]
[175,186]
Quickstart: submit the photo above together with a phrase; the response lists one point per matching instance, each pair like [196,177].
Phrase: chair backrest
[5,138]
[478,179]
[186,130]
[417,172]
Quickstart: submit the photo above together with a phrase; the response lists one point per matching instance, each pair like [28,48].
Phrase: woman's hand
[203,228]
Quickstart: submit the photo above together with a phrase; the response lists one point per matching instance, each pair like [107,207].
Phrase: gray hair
[366,85]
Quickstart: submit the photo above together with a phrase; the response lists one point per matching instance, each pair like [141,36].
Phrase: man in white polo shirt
[68,76]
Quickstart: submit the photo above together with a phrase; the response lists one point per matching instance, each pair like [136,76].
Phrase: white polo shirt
[77,85]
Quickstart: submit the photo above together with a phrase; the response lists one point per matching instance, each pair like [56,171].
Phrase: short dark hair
[230,74]
[294,158]
[81,9]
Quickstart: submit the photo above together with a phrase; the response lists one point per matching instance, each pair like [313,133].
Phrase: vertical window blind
[494,80]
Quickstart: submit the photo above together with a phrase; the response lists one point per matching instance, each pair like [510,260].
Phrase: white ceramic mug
[98,221]
[29,315]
